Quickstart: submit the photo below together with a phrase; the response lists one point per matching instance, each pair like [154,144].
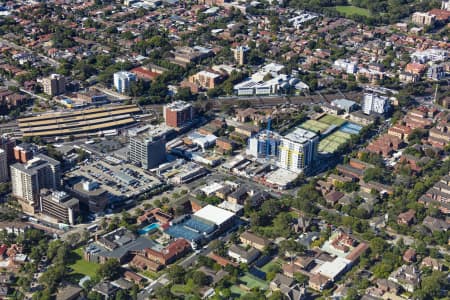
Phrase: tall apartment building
[8,145]
[28,179]
[148,150]
[178,113]
[3,166]
[375,103]
[240,54]
[54,84]
[298,150]
[423,19]
[265,144]
[24,152]
[59,206]
[122,81]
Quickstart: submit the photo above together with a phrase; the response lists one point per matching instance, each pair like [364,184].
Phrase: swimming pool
[148,228]
[351,128]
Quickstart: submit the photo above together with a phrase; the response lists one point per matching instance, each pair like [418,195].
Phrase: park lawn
[82,266]
[353,10]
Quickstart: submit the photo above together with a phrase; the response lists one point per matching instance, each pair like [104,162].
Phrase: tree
[176,273]
[200,278]
[301,278]
[110,269]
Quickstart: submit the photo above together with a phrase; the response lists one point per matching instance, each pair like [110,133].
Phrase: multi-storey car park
[78,122]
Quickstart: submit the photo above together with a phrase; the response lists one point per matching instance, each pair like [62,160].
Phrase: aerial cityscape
[225,149]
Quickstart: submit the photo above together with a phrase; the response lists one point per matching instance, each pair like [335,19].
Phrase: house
[250,239]
[242,255]
[431,263]
[435,224]
[106,289]
[215,276]
[409,256]
[333,197]
[407,218]
[238,196]
[388,286]
[68,292]
[134,277]
[318,282]
[281,280]
[408,276]
[295,292]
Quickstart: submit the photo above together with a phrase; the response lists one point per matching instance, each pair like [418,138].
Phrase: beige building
[240,54]
[54,85]
[28,179]
[423,19]
[59,206]
[205,79]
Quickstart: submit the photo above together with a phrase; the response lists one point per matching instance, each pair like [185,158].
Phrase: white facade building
[298,150]
[122,81]
[373,103]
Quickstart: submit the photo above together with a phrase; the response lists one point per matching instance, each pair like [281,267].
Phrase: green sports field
[332,120]
[353,10]
[332,142]
[314,126]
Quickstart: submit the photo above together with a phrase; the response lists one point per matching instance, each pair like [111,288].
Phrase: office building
[54,85]
[3,166]
[28,179]
[240,54]
[122,81]
[264,145]
[92,196]
[59,206]
[373,103]
[148,150]
[178,113]
[298,150]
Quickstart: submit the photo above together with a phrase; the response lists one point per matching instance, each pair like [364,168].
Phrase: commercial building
[148,149]
[298,150]
[264,145]
[28,179]
[59,205]
[240,54]
[206,79]
[122,81]
[373,103]
[3,166]
[54,85]
[91,196]
[178,114]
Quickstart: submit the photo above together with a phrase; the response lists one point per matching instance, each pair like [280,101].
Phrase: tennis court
[315,126]
[332,120]
[332,142]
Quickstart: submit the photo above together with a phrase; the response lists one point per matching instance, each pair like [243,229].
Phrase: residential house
[243,255]
[250,239]
[408,276]
[407,218]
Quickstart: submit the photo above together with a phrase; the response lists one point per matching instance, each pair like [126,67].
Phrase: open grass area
[81,266]
[237,291]
[353,10]
[182,289]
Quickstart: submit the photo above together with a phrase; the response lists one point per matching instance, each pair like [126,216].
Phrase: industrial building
[59,205]
[28,179]
[148,149]
[298,150]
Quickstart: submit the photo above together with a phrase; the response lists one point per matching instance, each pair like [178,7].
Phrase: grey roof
[138,244]
[105,288]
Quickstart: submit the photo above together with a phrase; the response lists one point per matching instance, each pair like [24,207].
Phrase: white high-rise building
[29,178]
[298,150]
[373,103]
[122,81]
[3,166]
